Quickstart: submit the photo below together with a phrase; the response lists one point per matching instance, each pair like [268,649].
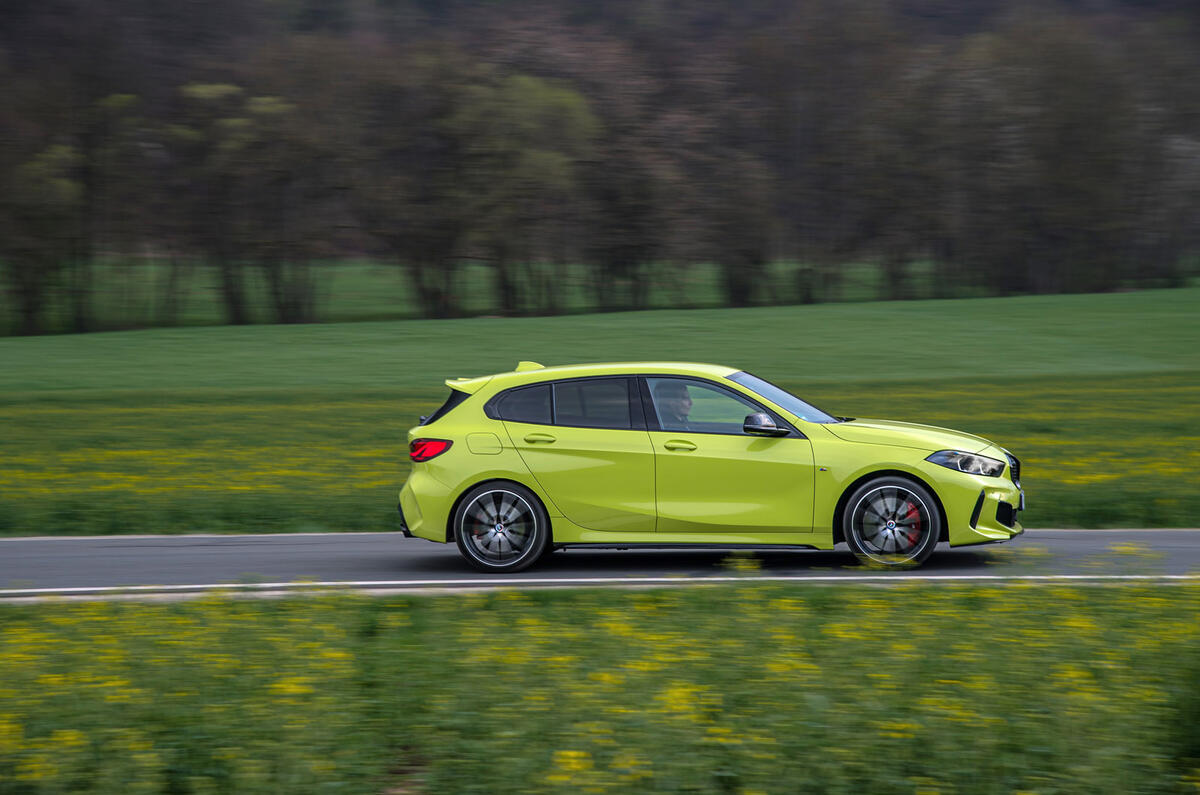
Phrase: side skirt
[567,533]
[696,545]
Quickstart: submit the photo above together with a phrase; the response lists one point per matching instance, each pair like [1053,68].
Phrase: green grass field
[734,689]
[741,689]
[273,428]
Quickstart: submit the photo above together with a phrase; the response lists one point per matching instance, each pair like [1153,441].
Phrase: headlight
[968,462]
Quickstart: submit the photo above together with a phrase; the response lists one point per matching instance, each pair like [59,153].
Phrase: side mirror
[762,425]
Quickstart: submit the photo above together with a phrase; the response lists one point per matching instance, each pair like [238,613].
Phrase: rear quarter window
[530,404]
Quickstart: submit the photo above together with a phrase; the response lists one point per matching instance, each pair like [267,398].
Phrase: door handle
[679,444]
[534,438]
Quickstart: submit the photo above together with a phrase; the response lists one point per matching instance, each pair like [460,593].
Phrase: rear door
[585,442]
[711,476]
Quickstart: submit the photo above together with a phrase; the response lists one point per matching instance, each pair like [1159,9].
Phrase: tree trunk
[447,296]
[304,293]
[433,285]
[85,248]
[273,273]
[639,287]
[895,273]
[168,314]
[506,285]
[291,290]
[81,293]
[30,281]
[742,272]
[551,294]
[806,278]
[233,292]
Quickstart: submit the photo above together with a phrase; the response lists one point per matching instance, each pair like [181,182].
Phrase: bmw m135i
[517,464]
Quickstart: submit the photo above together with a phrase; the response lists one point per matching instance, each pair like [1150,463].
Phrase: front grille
[1015,467]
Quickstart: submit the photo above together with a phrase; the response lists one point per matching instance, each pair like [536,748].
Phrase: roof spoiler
[468,385]
[473,385]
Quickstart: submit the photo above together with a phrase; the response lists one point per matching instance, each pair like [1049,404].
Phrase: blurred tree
[405,162]
[1039,147]
[206,144]
[522,140]
[624,179]
[820,74]
[39,227]
[291,187]
[1048,139]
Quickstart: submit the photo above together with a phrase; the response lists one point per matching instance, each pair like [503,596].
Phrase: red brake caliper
[914,532]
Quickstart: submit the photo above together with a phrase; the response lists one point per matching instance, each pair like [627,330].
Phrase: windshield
[782,398]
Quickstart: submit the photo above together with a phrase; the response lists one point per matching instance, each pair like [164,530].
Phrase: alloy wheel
[892,524]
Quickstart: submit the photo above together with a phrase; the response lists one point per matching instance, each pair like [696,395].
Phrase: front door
[712,477]
[596,467]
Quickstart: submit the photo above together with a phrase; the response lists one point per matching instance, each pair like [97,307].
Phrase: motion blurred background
[244,161]
[981,214]
[1026,177]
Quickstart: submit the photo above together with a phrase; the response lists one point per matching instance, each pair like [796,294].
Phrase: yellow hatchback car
[517,464]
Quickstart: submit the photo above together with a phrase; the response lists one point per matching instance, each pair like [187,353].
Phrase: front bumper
[981,510]
[994,518]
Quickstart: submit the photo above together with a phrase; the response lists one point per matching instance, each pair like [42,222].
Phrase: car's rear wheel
[501,527]
[891,521]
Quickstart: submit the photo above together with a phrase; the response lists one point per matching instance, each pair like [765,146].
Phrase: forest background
[239,161]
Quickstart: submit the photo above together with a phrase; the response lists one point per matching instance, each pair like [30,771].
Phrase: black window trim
[652,423]
[637,416]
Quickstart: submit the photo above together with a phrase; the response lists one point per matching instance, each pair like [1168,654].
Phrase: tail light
[424,449]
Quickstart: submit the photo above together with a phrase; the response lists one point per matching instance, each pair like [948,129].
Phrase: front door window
[694,406]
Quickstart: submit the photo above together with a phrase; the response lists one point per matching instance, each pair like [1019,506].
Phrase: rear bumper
[424,505]
[403,524]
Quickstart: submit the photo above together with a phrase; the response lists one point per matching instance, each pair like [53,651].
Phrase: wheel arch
[472,486]
[840,509]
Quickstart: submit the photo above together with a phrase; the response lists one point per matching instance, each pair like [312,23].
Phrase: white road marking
[143,536]
[584,581]
[398,534]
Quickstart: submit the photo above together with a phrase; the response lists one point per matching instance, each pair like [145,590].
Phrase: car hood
[907,434]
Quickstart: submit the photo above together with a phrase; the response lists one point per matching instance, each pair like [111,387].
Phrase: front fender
[842,466]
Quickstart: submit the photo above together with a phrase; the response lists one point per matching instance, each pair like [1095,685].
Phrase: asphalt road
[66,565]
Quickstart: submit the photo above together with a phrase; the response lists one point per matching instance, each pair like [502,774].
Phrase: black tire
[892,521]
[501,527]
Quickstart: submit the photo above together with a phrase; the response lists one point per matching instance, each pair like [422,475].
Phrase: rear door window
[593,403]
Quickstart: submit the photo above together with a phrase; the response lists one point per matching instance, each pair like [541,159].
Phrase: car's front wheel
[501,527]
[892,521]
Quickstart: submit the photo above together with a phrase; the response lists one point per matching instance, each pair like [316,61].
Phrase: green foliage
[1054,150]
[746,688]
[210,92]
[47,180]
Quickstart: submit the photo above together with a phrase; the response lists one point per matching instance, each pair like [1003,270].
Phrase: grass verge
[748,688]
[1122,451]
[303,428]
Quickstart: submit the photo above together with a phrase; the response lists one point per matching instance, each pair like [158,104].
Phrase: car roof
[532,373]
